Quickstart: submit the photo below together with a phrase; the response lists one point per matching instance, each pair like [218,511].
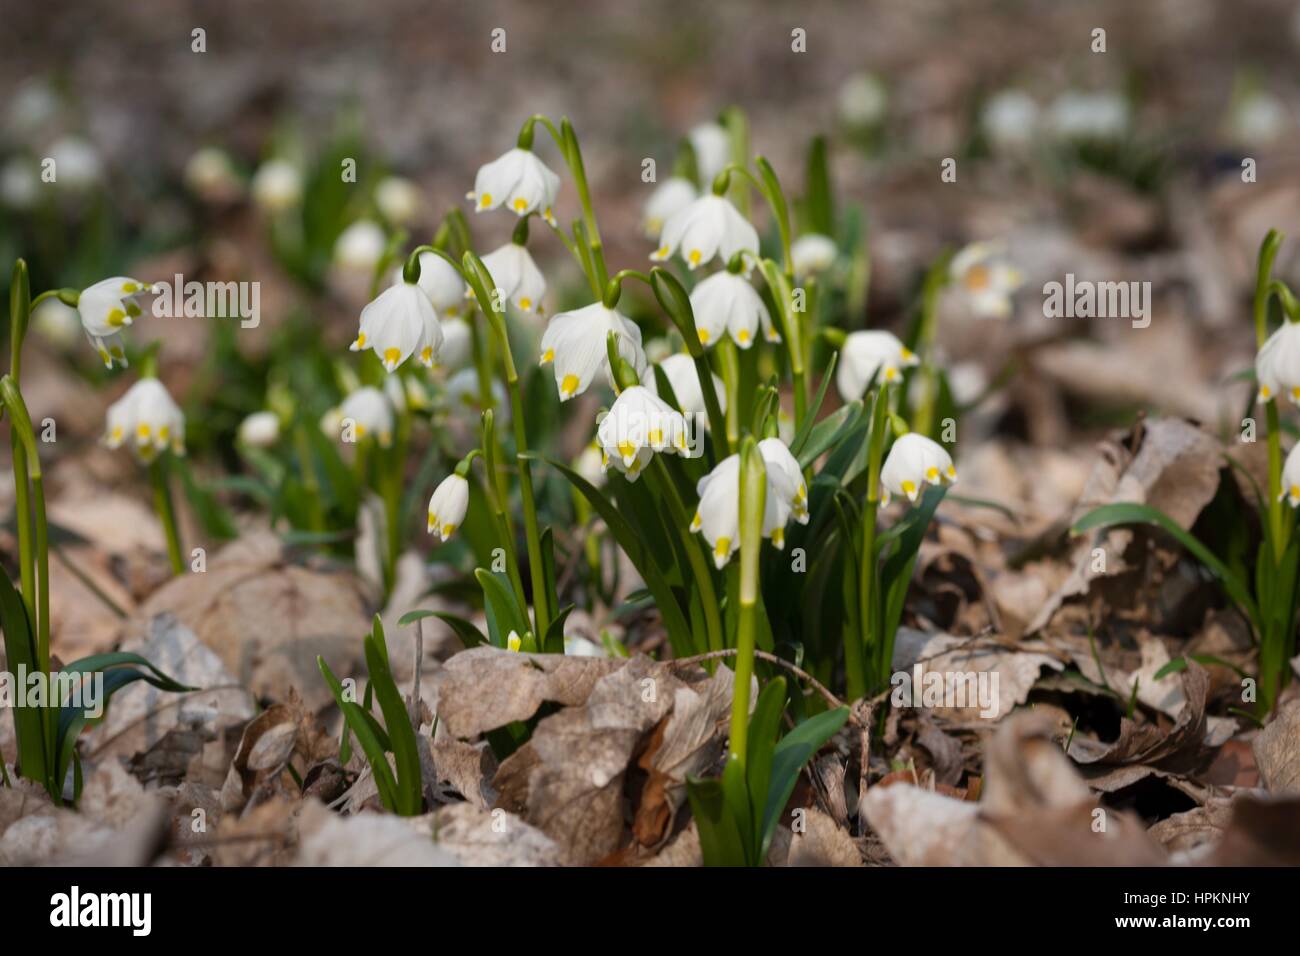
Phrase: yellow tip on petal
[778,538]
[426,355]
[909,489]
[696,522]
[485,200]
[704,336]
[117,318]
[743,336]
[548,356]
[525,303]
[1265,393]
[721,550]
[447,530]
[569,386]
[391,358]
[932,474]
[520,204]
[695,257]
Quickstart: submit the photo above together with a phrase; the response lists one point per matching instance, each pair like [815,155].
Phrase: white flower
[1277,366]
[146,417]
[106,308]
[575,343]
[865,356]
[1010,120]
[1096,116]
[912,461]
[712,148]
[360,246]
[1291,478]
[462,391]
[513,641]
[986,279]
[577,646]
[591,465]
[368,411]
[210,175]
[519,181]
[398,200]
[457,345]
[812,253]
[669,197]
[517,276]
[685,382]
[862,100]
[726,302]
[20,183]
[639,424]
[448,505]
[440,282]
[718,515]
[709,226]
[400,323]
[277,185]
[1258,119]
[784,477]
[76,163]
[260,430]
[57,321]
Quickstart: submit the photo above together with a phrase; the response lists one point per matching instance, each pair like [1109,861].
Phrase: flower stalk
[753,501]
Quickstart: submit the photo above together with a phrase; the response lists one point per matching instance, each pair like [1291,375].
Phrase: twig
[771,659]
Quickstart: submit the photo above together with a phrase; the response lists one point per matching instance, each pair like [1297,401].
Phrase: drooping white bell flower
[1277,365]
[712,148]
[106,308]
[812,253]
[591,465]
[862,101]
[638,425]
[520,182]
[400,323]
[785,477]
[1078,115]
[669,197]
[211,176]
[360,246]
[448,505]
[440,282]
[457,345]
[867,355]
[1010,120]
[277,185]
[914,460]
[516,274]
[462,397]
[406,393]
[367,412]
[260,430]
[57,321]
[20,183]
[574,342]
[709,226]
[398,200]
[985,278]
[725,302]
[1291,478]
[77,165]
[148,419]
[685,382]
[718,515]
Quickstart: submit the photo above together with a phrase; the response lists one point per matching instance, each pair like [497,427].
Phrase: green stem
[868,613]
[498,495]
[310,481]
[935,279]
[162,502]
[23,514]
[729,364]
[753,492]
[694,553]
[1263,292]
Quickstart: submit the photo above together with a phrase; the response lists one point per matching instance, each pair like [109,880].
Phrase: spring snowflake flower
[986,279]
[591,465]
[516,274]
[260,430]
[520,182]
[57,321]
[440,282]
[448,505]
[277,185]
[812,253]
[360,246]
[77,165]
[1291,478]
[638,425]
[457,345]
[514,641]
[461,397]
[398,200]
[785,478]
[574,342]
[1090,116]
[1277,366]
[709,226]
[211,176]
[685,383]
[1010,120]
[20,183]
[370,414]
[400,323]
[148,419]
[725,302]
[862,101]
[106,308]
[718,514]
[669,198]
[712,148]
[866,356]
[914,460]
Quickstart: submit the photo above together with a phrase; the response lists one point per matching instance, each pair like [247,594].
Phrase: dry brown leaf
[481,837]
[820,841]
[1277,751]
[326,838]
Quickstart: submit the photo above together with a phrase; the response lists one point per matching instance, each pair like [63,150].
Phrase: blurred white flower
[685,383]
[20,183]
[591,465]
[448,506]
[517,276]
[146,417]
[785,478]
[638,425]
[398,200]
[866,355]
[400,323]
[106,308]
[57,321]
[914,460]
[370,413]
[726,303]
[31,108]
[1010,120]
[440,282]
[277,185]
[211,176]
[669,197]
[360,246]
[1277,365]
[462,392]
[862,101]
[1090,116]
[1258,119]
[578,646]
[709,226]
[457,345]
[718,514]
[77,165]
[260,430]
[575,343]
[520,182]
[986,279]
[514,642]
[712,148]
[812,253]
[1291,478]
